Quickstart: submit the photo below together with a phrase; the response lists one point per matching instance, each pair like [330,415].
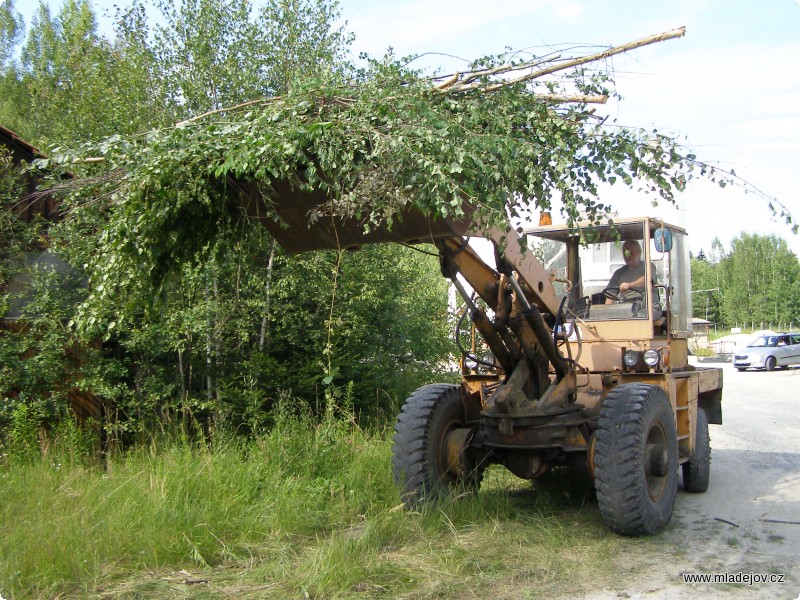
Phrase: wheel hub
[454,453]
[656,461]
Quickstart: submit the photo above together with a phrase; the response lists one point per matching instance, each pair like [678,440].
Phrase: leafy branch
[496,138]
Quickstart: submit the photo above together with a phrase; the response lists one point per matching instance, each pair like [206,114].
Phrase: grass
[306,510]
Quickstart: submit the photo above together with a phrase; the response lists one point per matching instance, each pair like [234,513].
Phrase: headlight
[630,358]
[652,358]
[470,362]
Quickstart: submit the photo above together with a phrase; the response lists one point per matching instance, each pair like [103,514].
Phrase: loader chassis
[577,381]
[559,371]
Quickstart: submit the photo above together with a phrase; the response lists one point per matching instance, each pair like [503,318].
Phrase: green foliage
[11,26]
[36,363]
[755,282]
[34,356]
[707,288]
[761,278]
[16,236]
[377,147]
[374,143]
[61,89]
[206,346]
[219,53]
[186,309]
[308,507]
[23,433]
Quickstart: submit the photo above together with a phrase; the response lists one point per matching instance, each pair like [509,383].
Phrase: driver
[631,276]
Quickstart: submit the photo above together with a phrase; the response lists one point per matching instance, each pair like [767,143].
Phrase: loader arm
[520,295]
[518,292]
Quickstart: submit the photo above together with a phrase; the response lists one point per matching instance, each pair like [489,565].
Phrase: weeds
[306,509]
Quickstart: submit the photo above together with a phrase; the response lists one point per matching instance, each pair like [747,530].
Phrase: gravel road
[749,519]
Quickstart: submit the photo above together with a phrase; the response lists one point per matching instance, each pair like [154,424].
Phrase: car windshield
[767,340]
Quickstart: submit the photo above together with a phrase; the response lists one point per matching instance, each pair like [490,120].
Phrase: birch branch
[646,41]
[564,98]
[471,76]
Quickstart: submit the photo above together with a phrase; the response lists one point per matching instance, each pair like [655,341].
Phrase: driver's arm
[636,283]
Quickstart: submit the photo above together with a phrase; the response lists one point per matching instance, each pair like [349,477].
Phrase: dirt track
[755,481]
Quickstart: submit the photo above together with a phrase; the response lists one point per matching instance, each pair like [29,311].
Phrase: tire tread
[619,462]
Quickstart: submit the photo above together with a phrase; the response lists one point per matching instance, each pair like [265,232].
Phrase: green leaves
[754,284]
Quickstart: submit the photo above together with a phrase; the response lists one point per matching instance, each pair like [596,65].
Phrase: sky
[729,89]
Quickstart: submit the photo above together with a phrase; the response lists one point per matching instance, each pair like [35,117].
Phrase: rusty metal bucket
[295,233]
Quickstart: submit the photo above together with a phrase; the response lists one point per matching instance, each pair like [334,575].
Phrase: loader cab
[588,264]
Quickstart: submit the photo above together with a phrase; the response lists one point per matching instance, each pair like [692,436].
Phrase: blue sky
[730,89]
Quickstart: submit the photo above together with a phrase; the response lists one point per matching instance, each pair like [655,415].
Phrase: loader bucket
[296,234]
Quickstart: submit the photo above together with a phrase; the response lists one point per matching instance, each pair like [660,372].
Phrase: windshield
[765,341]
[605,280]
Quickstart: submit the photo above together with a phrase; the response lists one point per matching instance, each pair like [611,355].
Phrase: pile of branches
[500,137]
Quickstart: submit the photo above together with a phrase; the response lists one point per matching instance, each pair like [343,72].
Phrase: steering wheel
[629,295]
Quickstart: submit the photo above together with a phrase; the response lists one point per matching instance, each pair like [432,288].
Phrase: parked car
[769,351]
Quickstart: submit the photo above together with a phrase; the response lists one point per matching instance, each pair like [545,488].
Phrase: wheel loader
[557,368]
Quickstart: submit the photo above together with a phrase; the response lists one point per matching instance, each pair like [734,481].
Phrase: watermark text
[740,577]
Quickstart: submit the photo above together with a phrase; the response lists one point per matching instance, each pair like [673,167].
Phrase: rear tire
[419,464]
[770,363]
[636,460]
[697,470]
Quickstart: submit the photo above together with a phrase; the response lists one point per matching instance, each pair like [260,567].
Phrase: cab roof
[624,228]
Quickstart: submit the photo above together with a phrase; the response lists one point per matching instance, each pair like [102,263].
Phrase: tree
[198,349]
[315,50]
[216,53]
[11,27]
[706,290]
[205,332]
[65,87]
[760,277]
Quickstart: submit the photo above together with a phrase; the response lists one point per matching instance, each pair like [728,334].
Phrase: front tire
[419,460]
[636,459]
[697,470]
[770,363]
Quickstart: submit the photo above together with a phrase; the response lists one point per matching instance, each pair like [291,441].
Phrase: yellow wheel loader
[564,369]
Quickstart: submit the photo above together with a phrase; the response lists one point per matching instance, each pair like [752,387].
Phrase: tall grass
[307,509]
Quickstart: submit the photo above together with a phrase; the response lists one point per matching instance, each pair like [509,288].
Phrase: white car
[769,351]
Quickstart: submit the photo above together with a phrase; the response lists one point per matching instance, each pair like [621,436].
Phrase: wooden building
[31,205]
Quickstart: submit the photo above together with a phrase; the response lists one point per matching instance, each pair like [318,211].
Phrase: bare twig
[781,522]
[235,107]
[721,520]
[470,77]
[564,98]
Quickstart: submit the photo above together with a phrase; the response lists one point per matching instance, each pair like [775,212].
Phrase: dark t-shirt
[626,274]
